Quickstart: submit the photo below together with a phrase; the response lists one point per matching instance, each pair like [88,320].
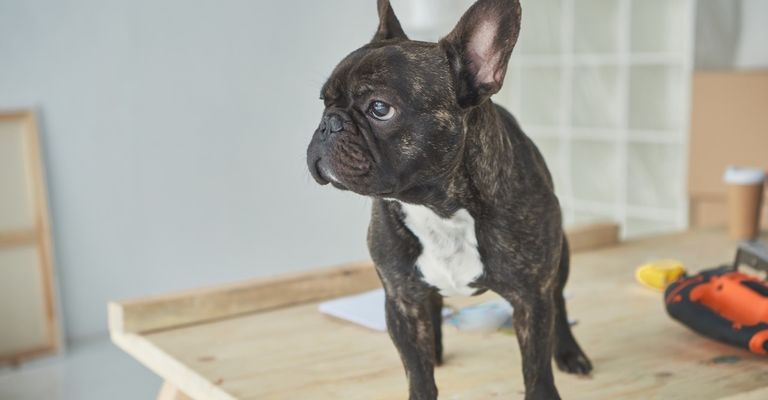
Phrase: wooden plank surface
[638,351]
[592,236]
[758,394]
[201,305]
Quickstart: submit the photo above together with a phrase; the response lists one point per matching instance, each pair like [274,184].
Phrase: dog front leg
[409,323]
[533,320]
[436,310]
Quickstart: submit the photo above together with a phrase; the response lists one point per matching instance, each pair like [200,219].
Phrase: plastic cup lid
[743,176]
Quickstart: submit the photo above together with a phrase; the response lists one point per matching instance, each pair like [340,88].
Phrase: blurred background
[173,137]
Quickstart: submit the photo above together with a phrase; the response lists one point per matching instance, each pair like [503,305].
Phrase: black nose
[334,123]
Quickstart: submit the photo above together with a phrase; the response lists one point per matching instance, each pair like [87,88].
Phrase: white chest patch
[449,258]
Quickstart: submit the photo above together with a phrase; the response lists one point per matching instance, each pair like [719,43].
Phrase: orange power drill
[725,304]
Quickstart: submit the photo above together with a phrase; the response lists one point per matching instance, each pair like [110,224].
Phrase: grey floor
[92,370]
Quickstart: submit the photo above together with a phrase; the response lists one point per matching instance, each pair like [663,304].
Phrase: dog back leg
[568,354]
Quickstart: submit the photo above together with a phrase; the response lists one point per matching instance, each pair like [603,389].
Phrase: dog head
[394,118]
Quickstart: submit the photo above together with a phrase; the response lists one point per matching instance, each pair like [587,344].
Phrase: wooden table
[266,339]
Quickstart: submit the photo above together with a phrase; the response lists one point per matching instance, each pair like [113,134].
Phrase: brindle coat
[448,147]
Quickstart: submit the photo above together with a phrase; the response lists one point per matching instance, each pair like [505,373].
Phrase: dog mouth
[317,173]
[338,185]
[323,176]
[337,155]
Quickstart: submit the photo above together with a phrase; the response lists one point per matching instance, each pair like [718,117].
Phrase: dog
[462,199]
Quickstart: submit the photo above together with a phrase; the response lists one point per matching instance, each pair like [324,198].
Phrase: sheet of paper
[366,309]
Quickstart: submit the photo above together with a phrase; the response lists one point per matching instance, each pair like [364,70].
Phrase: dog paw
[573,362]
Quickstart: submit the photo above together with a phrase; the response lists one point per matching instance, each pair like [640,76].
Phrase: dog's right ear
[389,26]
[480,46]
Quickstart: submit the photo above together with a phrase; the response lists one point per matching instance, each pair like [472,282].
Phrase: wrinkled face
[394,109]
[391,121]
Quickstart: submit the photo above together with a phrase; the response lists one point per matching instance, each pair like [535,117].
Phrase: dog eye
[381,110]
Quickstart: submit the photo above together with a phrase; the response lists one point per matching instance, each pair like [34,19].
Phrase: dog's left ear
[389,26]
[479,48]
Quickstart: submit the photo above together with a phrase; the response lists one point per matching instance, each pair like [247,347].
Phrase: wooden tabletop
[294,352]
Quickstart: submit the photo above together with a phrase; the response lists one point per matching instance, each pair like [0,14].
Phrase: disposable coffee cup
[745,198]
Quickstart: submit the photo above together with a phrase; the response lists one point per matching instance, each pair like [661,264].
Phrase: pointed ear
[389,26]
[479,47]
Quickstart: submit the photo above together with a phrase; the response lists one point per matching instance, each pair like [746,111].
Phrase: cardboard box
[729,125]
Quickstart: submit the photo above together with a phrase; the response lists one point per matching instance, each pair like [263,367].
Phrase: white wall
[174,134]
[731,34]
[753,49]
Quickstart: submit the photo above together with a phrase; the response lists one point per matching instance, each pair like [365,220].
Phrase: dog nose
[331,123]
[335,123]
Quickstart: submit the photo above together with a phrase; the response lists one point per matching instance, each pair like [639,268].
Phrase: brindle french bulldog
[462,199]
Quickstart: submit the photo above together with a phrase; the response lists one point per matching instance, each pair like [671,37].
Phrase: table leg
[170,392]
